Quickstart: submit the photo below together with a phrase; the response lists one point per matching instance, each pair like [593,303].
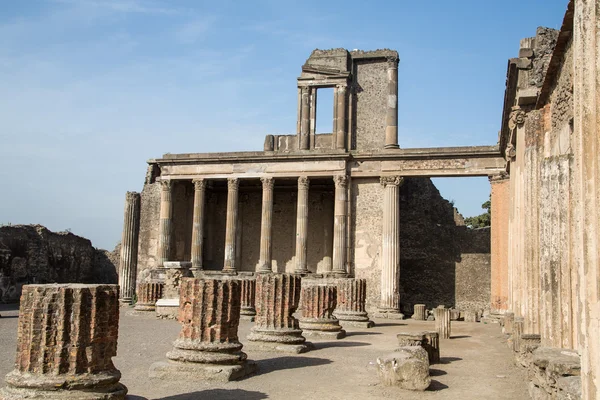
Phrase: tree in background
[482,220]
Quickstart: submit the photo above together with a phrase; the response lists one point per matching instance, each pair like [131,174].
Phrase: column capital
[340,181]
[166,184]
[392,62]
[501,177]
[233,183]
[516,117]
[268,182]
[303,182]
[199,183]
[391,180]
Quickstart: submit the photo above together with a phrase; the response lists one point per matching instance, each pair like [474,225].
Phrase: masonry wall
[33,254]
[370,103]
[148,239]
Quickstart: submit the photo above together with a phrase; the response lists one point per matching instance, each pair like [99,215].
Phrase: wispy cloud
[124,6]
[193,31]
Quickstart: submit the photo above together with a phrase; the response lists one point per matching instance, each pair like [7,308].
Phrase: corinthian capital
[233,183]
[267,182]
[166,184]
[303,182]
[391,180]
[199,184]
[341,181]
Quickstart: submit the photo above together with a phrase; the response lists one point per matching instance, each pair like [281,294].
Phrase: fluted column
[207,347]
[442,322]
[304,139]
[342,104]
[164,225]
[266,226]
[302,225]
[129,247]
[148,293]
[318,304]
[419,313]
[390,249]
[198,224]
[231,225]
[67,337]
[391,119]
[340,225]
[351,301]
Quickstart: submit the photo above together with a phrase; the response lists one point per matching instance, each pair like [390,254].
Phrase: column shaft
[340,224]
[303,143]
[340,138]
[198,224]
[390,247]
[266,226]
[129,247]
[500,191]
[302,225]
[231,225]
[391,120]
[164,226]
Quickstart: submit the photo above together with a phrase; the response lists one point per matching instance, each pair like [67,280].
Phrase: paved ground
[476,364]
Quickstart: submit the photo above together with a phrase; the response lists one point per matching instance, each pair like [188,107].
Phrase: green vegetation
[482,220]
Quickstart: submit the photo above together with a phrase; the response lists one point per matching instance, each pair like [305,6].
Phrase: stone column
[341,106]
[391,119]
[500,191]
[390,249]
[302,226]
[148,293]
[164,225]
[198,225]
[210,229]
[248,310]
[231,225]
[586,135]
[304,139]
[207,347]
[129,247]
[275,328]
[266,226]
[340,220]
[351,300]
[318,303]
[442,322]
[67,337]
[433,346]
[419,312]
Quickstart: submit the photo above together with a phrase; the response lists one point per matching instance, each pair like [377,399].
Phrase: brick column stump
[318,303]
[351,299]
[207,347]
[275,328]
[248,309]
[67,336]
[148,293]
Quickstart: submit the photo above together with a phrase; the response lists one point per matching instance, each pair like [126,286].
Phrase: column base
[322,329]
[388,313]
[115,392]
[274,347]
[197,372]
[391,146]
[144,307]
[354,318]
[125,301]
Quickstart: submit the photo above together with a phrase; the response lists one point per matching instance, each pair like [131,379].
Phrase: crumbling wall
[371,88]
[33,254]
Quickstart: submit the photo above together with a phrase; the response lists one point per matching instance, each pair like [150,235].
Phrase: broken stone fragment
[407,368]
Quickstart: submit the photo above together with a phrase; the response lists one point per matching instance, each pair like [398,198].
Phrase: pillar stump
[207,347]
[420,314]
[442,322]
[432,345]
[67,336]
[168,305]
[318,321]
[351,299]
[247,310]
[275,329]
[148,293]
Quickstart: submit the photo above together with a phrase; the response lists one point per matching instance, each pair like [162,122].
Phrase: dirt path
[476,364]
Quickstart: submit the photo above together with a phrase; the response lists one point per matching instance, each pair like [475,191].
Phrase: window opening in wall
[324,114]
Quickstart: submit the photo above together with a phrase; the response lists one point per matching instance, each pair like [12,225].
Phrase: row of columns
[232,221]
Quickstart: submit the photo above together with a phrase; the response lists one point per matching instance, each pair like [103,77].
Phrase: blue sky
[91,89]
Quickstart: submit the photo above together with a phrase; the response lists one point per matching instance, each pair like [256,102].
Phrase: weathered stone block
[407,368]
[67,337]
[410,339]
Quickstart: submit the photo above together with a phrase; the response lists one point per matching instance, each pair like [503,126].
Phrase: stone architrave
[351,299]
[318,303]
[442,322]
[340,222]
[266,226]
[231,225]
[148,293]
[390,250]
[207,347]
[302,226]
[248,310]
[275,328]
[129,247]
[198,225]
[168,305]
[165,222]
[67,337]
[419,312]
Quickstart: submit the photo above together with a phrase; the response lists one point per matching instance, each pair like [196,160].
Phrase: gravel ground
[476,364]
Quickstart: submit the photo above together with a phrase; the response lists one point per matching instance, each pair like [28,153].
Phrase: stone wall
[368,131]
[149,219]
[33,254]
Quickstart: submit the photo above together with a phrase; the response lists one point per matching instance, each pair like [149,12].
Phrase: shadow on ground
[460,337]
[436,372]
[361,333]
[436,386]
[212,394]
[278,363]
[324,345]
[389,324]
[448,360]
